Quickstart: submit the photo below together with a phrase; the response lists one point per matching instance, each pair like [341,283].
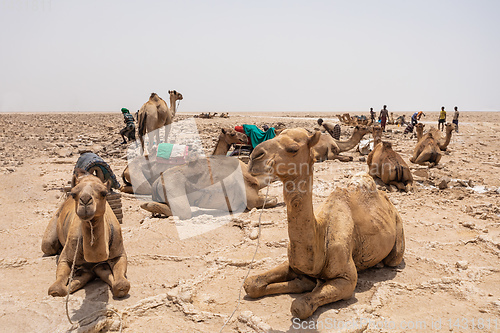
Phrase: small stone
[362,159]
[254,234]
[462,265]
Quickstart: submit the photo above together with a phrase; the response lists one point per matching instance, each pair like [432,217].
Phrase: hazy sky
[250,55]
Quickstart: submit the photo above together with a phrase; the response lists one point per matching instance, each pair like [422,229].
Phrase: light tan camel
[86,219]
[426,151]
[190,185]
[356,228]
[387,165]
[444,142]
[327,149]
[155,114]
[359,132]
[227,137]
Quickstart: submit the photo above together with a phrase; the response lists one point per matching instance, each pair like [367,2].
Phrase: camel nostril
[86,200]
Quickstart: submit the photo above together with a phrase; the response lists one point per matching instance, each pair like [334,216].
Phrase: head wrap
[124,110]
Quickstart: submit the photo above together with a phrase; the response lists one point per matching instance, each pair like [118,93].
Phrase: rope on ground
[75,325]
[251,263]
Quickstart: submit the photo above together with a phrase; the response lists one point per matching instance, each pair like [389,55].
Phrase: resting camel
[155,114]
[86,219]
[426,151]
[358,134]
[189,185]
[444,142]
[356,228]
[327,149]
[387,165]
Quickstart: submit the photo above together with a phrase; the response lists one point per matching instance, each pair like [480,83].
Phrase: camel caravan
[355,228]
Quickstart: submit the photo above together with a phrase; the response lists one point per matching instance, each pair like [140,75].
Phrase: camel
[444,142]
[155,114]
[192,178]
[327,149]
[387,165]
[183,186]
[356,228]
[357,135]
[426,151]
[85,224]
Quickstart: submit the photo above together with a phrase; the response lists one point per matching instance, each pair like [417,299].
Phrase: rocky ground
[449,280]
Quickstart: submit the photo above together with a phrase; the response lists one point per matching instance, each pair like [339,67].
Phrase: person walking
[442,119]
[372,115]
[455,119]
[384,114]
[129,130]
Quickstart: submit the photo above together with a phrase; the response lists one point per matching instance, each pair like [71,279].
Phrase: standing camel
[155,114]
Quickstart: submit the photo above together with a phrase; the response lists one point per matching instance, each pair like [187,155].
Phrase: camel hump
[154,97]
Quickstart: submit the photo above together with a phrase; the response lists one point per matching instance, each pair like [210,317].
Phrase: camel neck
[222,146]
[172,105]
[349,144]
[95,240]
[307,237]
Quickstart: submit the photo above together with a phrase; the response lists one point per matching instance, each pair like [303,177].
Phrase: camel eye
[104,193]
[73,194]
[292,149]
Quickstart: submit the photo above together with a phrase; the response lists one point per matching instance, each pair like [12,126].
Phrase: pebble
[254,234]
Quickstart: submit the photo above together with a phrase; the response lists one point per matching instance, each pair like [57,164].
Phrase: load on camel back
[255,136]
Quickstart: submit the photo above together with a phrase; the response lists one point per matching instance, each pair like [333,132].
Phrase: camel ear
[314,139]
[175,92]
[108,184]
[169,91]
[223,130]
[76,175]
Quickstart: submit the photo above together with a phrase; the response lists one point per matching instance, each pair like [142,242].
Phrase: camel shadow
[94,304]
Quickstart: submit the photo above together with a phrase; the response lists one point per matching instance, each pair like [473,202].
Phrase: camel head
[361,130]
[419,128]
[89,193]
[377,133]
[449,128]
[285,156]
[175,95]
[233,137]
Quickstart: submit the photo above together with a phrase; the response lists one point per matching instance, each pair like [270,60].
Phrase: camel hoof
[57,290]
[120,289]
[251,288]
[301,309]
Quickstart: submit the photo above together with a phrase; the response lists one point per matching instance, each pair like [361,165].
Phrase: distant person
[372,115]
[416,117]
[334,131]
[455,119]
[442,119]
[129,130]
[384,114]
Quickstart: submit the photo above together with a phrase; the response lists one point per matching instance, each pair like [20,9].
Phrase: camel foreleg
[340,288]
[115,278]
[279,280]
[80,281]
[59,288]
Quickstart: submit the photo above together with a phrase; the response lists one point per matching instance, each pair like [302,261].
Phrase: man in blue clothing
[129,130]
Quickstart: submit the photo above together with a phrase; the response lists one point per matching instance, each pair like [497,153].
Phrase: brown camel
[387,165]
[86,219]
[228,137]
[155,114]
[426,151]
[356,228]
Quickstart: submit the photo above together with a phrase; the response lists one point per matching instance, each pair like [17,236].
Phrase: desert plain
[449,280]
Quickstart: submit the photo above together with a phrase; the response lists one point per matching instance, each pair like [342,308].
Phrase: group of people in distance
[384,115]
